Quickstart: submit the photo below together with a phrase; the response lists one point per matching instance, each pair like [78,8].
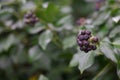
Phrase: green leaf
[8,42]
[108,51]
[116,43]
[50,13]
[42,77]
[118,64]
[101,18]
[28,6]
[5,12]
[69,42]
[35,53]
[20,55]
[114,31]
[85,61]
[36,29]
[39,59]
[45,38]
[64,20]
[118,69]
[75,60]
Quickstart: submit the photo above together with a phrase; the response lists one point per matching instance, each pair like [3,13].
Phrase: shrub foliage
[38,39]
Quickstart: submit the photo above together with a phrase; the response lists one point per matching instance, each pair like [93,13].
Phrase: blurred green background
[46,50]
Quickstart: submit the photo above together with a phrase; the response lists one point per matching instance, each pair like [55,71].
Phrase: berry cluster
[86,41]
[30,18]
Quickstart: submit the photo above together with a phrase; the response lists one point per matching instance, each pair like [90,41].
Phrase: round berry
[82,32]
[95,39]
[89,49]
[26,16]
[81,37]
[93,47]
[86,37]
[33,21]
[79,42]
[85,43]
[87,32]
[82,48]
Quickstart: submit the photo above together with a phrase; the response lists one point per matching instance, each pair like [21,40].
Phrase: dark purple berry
[26,16]
[33,21]
[93,47]
[89,49]
[82,48]
[86,37]
[85,43]
[81,37]
[82,32]
[88,32]
[79,42]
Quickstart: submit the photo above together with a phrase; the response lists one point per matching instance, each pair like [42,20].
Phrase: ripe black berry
[81,37]
[82,48]
[87,32]
[86,37]
[89,49]
[85,43]
[83,32]
[28,15]
[86,51]
[79,43]
[93,47]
